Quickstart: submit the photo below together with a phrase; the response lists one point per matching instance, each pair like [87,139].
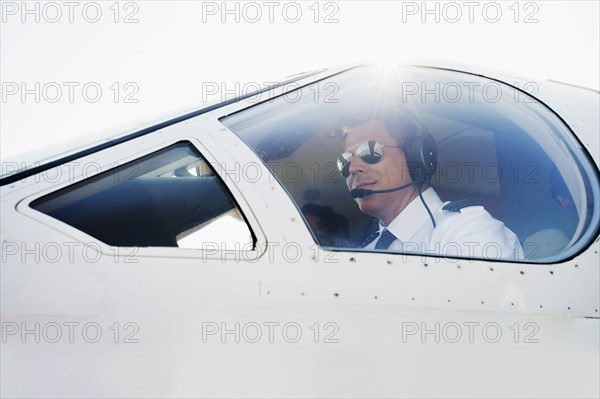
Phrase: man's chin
[368,205]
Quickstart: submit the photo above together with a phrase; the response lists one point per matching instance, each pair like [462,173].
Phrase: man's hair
[400,124]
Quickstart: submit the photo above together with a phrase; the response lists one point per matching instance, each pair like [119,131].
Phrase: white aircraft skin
[290,318]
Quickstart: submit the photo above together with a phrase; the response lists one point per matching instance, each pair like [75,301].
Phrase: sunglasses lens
[370,152]
[343,163]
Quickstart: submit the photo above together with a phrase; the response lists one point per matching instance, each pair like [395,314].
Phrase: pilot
[388,161]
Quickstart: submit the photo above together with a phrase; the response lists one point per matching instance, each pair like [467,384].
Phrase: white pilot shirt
[471,232]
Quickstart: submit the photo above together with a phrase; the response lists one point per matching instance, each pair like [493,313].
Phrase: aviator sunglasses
[370,152]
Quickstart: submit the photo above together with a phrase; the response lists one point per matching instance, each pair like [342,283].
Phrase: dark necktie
[385,240]
[371,233]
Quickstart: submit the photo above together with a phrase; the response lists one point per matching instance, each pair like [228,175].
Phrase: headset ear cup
[412,153]
[428,155]
[421,157]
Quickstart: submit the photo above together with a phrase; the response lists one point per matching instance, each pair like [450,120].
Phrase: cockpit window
[171,198]
[428,161]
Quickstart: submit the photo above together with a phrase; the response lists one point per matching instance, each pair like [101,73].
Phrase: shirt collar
[411,219]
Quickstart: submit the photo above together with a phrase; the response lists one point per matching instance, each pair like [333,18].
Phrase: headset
[420,152]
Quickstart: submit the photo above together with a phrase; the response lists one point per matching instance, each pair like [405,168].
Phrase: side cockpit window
[426,161]
[170,198]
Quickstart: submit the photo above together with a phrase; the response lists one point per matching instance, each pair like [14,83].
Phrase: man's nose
[357,165]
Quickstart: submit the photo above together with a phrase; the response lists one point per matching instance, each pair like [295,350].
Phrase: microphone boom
[361,192]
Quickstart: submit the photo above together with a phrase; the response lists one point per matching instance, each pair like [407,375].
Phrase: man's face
[390,172]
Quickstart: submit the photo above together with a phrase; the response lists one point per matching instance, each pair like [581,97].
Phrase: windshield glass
[450,164]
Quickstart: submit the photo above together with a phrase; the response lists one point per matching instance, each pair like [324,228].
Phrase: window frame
[129,152]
